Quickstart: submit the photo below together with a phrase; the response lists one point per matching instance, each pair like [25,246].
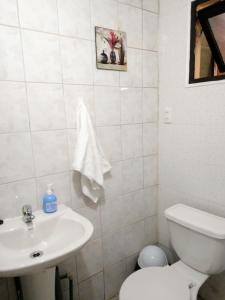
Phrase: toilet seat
[156,283]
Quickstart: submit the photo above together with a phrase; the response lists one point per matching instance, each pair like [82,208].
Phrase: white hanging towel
[89,158]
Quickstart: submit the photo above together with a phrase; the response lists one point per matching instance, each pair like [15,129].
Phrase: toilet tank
[198,238]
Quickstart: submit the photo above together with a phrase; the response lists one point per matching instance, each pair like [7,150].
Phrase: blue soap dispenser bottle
[49,200]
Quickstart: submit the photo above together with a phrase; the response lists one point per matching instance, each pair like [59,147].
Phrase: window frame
[192,37]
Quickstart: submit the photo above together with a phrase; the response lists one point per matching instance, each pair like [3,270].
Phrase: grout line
[151,11]
[63,96]
[142,80]
[80,84]
[70,37]
[69,170]
[89,277]
[27,102]
[45,32]
[139,7]
[124,227]
[34,177]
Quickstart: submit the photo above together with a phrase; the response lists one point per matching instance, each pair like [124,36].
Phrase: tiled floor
[214,288]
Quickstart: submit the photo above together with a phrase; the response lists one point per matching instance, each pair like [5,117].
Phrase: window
[207,51]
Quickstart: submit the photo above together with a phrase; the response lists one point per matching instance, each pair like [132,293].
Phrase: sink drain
[36,254]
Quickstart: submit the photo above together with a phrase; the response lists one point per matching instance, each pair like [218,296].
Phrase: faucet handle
[27,209]
[27,213]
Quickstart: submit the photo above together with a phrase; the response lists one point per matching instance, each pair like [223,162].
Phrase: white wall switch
[168,115]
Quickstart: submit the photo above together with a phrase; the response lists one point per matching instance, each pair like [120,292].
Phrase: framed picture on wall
[111,49]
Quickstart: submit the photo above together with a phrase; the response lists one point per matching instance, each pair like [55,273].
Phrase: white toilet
[199,240]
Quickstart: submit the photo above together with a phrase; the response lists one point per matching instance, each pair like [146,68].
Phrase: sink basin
[28,249]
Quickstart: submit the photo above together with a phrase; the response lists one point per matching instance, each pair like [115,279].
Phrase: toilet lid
[155,283]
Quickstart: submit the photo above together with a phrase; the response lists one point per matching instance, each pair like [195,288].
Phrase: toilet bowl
[174,282]
[199,240]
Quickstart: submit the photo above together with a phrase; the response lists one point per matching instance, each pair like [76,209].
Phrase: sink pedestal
[39,286]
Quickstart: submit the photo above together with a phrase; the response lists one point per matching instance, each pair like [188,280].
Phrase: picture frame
[111,49]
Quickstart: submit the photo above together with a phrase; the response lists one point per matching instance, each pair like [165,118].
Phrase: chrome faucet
[27,214]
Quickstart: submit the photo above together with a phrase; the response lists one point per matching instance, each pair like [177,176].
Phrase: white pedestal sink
[39,286]
[32,252]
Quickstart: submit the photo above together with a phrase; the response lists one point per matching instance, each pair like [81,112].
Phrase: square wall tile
[114,277]
[110,140]
[25,192]
[150,139]
[41,57]
[16,161]
[131,105]
[131,141]
[152,5]
[150,69]
[11,60]
[130,21]
[8,12]
[112,215]
[134,245]
[131,262]
[74,18]
[131,200]
[107,78]
[40,15]
[92,213]
[92,288]
[72,140]
[46,105]
[150,196]
[150,171]
[13,103]
[61,187]
[151,234]
[150,105]
[133,76]
[107,105]
[150,31]
[132,175]
[76,61]
[112,254]
[104,13]
[14,195]
[50,151]
[72,96]
[113,181]
[89,260]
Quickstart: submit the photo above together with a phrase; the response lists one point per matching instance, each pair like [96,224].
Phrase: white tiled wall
[47,60]
[192,148]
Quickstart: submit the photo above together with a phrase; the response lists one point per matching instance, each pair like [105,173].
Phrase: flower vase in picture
[113,57]
[122,52]
[103,57]
[111,49]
